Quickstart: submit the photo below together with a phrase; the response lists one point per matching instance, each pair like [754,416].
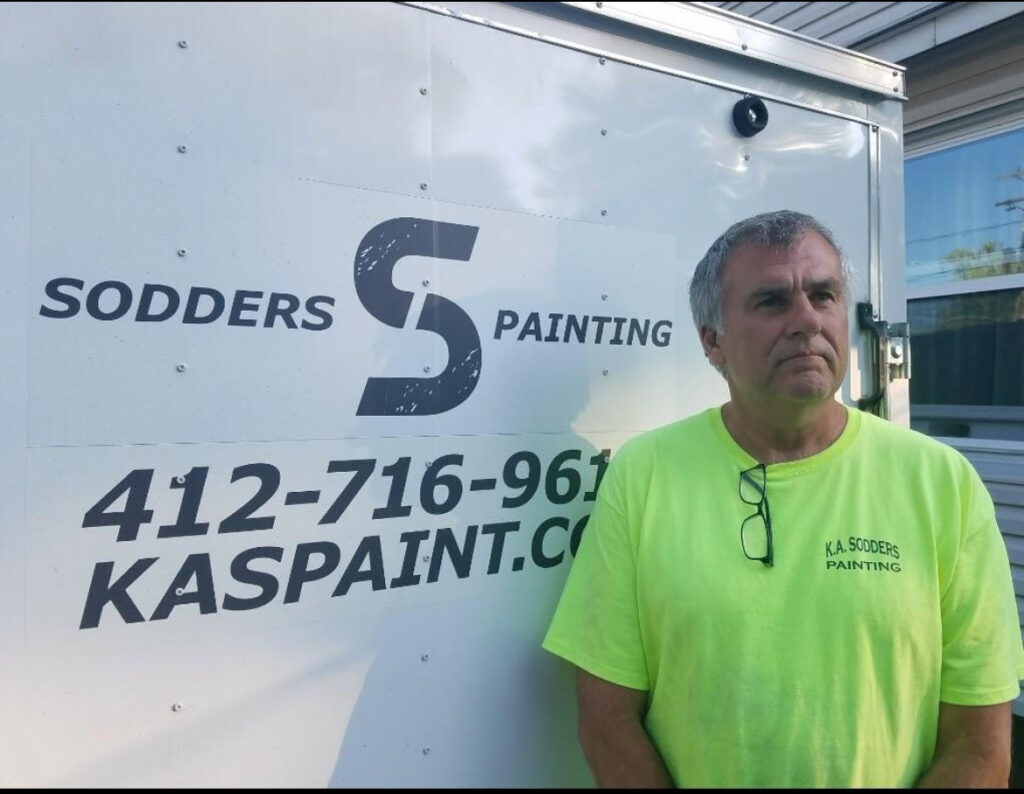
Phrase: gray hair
[782,228]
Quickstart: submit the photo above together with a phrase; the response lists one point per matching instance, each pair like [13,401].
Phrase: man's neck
[778,436]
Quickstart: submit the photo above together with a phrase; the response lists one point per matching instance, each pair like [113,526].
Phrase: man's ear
[710,341]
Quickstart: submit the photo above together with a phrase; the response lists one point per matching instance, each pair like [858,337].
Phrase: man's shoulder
[669,448]
[896,445]
[884,431]
[674,438]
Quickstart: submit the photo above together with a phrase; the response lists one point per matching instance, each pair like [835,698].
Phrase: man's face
[785,322]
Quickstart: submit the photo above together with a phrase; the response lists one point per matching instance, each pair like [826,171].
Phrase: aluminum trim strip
[875,294]
[716,27]
[476,20]
[970,286]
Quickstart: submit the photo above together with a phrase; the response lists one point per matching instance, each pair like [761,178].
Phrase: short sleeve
[596,625]
[982,653]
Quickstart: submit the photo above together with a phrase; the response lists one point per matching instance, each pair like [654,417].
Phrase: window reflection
[965,211]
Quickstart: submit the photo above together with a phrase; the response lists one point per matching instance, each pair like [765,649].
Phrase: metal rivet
[423,91]
[425,657]
[604,212]
[180,367]
[896,88]
[604,132]
[426,369]
[182,252]
[183,148]
[604,297]
[182,43]
[426,558]
[895,74]
[600,5]
[743,46]
[896,351]
[426,751]
[601,61]
[179,480]
[874,128]
[604,372]
[177,707]
[746,157]
[423,185]
[426,282]
[179,591]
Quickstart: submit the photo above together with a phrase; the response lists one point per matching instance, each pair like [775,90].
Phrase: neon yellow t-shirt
[890,591]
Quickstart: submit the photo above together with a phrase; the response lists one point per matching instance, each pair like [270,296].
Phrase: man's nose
[805,318]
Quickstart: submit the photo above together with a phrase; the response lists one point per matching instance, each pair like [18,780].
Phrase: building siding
[843,24]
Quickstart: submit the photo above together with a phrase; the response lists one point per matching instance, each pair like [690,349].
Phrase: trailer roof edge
[725,30]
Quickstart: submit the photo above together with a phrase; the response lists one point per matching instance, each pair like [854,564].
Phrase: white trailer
[319,324]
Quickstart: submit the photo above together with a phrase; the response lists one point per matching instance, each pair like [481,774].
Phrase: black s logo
[375,261]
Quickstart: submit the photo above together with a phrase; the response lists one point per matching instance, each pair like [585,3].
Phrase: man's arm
[973,748]
[613,738]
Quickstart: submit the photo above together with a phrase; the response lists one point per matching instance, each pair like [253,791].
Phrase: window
[965,211]
[965,277]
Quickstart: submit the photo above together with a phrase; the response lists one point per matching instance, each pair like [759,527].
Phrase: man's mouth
[801,356]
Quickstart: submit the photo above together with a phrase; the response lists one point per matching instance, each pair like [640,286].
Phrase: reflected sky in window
[965,211]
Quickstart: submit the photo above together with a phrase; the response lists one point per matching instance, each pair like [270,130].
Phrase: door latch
[891,356]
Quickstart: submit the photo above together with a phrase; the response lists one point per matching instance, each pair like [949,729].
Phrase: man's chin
[810,387]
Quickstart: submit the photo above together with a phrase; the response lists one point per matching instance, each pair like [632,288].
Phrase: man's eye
[825,296]
[770,302]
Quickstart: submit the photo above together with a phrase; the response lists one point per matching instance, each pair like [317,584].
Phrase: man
[785,591]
